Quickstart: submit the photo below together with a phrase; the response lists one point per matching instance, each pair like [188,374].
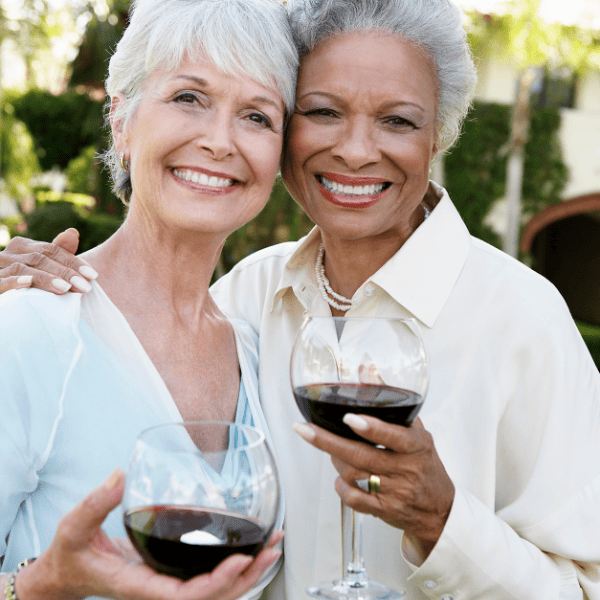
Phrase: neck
[146,267]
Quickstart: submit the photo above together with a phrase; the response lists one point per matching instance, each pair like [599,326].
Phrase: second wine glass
[369,366]
[197,492]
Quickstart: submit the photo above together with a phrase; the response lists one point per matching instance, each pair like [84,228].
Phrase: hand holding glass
[369,366]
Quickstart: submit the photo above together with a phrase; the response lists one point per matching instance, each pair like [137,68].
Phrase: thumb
[68,240]
[91,512]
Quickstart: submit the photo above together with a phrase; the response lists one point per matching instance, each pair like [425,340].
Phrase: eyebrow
[339,99]
[204,83]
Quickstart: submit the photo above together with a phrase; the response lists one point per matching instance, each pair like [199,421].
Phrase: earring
[124,163]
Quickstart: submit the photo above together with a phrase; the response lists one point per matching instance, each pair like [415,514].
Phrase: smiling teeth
[351,190]
[202,178]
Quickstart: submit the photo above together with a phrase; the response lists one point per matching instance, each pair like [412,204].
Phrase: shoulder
[19,307]
[34,318]
[512,306]
[513,282]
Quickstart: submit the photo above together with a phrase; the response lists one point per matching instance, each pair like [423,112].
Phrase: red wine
[212,536]
[325,405]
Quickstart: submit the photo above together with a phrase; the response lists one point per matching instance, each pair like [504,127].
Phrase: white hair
[434,25]
[241,37]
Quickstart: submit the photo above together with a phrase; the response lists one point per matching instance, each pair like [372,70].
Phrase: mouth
[345,194]
[209,181]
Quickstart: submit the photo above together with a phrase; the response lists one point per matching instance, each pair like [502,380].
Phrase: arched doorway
[564,240]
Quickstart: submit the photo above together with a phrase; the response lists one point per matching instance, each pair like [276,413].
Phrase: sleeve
[542,540]
[31,380]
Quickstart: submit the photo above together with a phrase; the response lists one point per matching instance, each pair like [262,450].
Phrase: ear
[117,124]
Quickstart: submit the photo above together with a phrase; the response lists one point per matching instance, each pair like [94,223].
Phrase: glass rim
[261,437]
[377,318]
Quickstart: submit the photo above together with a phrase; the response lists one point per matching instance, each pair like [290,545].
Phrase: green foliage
[61,126]
[47,221]
[18,161]
[521,36]
[591,336]
[475,169]
[545,173]
[83,172]
[50,218]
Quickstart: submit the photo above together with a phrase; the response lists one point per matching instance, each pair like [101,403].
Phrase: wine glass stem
[355,574]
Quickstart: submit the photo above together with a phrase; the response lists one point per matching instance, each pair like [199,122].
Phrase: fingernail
[25,279]
[88,272]
[355,422]
[61,285]
[304,431]
[112,482]
[80,283]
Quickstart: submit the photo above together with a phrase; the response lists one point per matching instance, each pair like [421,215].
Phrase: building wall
[580,127]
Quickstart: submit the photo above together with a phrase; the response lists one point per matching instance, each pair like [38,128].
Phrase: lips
[206,181]
[352,192]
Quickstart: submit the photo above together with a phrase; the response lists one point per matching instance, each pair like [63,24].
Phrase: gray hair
[435,25]
[241,37]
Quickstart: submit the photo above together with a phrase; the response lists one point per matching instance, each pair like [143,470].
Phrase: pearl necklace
[327,293]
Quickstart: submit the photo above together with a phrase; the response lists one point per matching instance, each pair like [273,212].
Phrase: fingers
[251,574]
[14,282]
[51,267]
[75,527]
[68,240]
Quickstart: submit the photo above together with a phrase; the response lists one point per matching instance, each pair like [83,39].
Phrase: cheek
[266,161]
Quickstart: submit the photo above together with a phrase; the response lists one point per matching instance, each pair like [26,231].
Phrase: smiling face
[204,148]
[362,136]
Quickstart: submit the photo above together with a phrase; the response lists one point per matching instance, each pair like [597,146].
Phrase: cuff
[479,556]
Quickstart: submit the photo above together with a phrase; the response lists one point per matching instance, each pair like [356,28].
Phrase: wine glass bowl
[198,492]
[371,366]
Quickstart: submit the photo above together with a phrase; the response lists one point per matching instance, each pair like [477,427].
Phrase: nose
[217,136]
[357,145]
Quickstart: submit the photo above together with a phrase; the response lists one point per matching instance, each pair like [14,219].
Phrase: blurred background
[525,175]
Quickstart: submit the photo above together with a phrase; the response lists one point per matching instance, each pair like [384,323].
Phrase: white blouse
[76,389]
[513,406]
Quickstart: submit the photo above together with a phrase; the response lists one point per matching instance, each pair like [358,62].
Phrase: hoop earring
[124,163]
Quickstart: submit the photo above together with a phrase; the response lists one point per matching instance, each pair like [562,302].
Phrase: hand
[82,561]
[416,492]
[51,267]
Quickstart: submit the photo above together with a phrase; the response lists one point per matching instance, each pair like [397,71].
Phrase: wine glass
[198,492]
[371,366]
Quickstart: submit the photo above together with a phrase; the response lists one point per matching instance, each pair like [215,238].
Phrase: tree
[531,43]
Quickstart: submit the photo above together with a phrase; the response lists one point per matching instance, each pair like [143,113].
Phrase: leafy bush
[475,169]
[49,219]
[18,159]
[61,126]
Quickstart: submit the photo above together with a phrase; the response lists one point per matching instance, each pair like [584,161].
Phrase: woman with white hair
[199,94]
[494,493]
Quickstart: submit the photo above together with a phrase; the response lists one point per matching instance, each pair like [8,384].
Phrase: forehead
[204,72]
[369,62]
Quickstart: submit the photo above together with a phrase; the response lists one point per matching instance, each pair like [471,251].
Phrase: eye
[186,98]
[319,113]
[260,119]
[399,122]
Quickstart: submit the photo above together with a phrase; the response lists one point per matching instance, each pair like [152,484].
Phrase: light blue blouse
[76,389]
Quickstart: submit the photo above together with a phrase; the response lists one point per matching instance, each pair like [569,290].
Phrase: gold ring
[374,484]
